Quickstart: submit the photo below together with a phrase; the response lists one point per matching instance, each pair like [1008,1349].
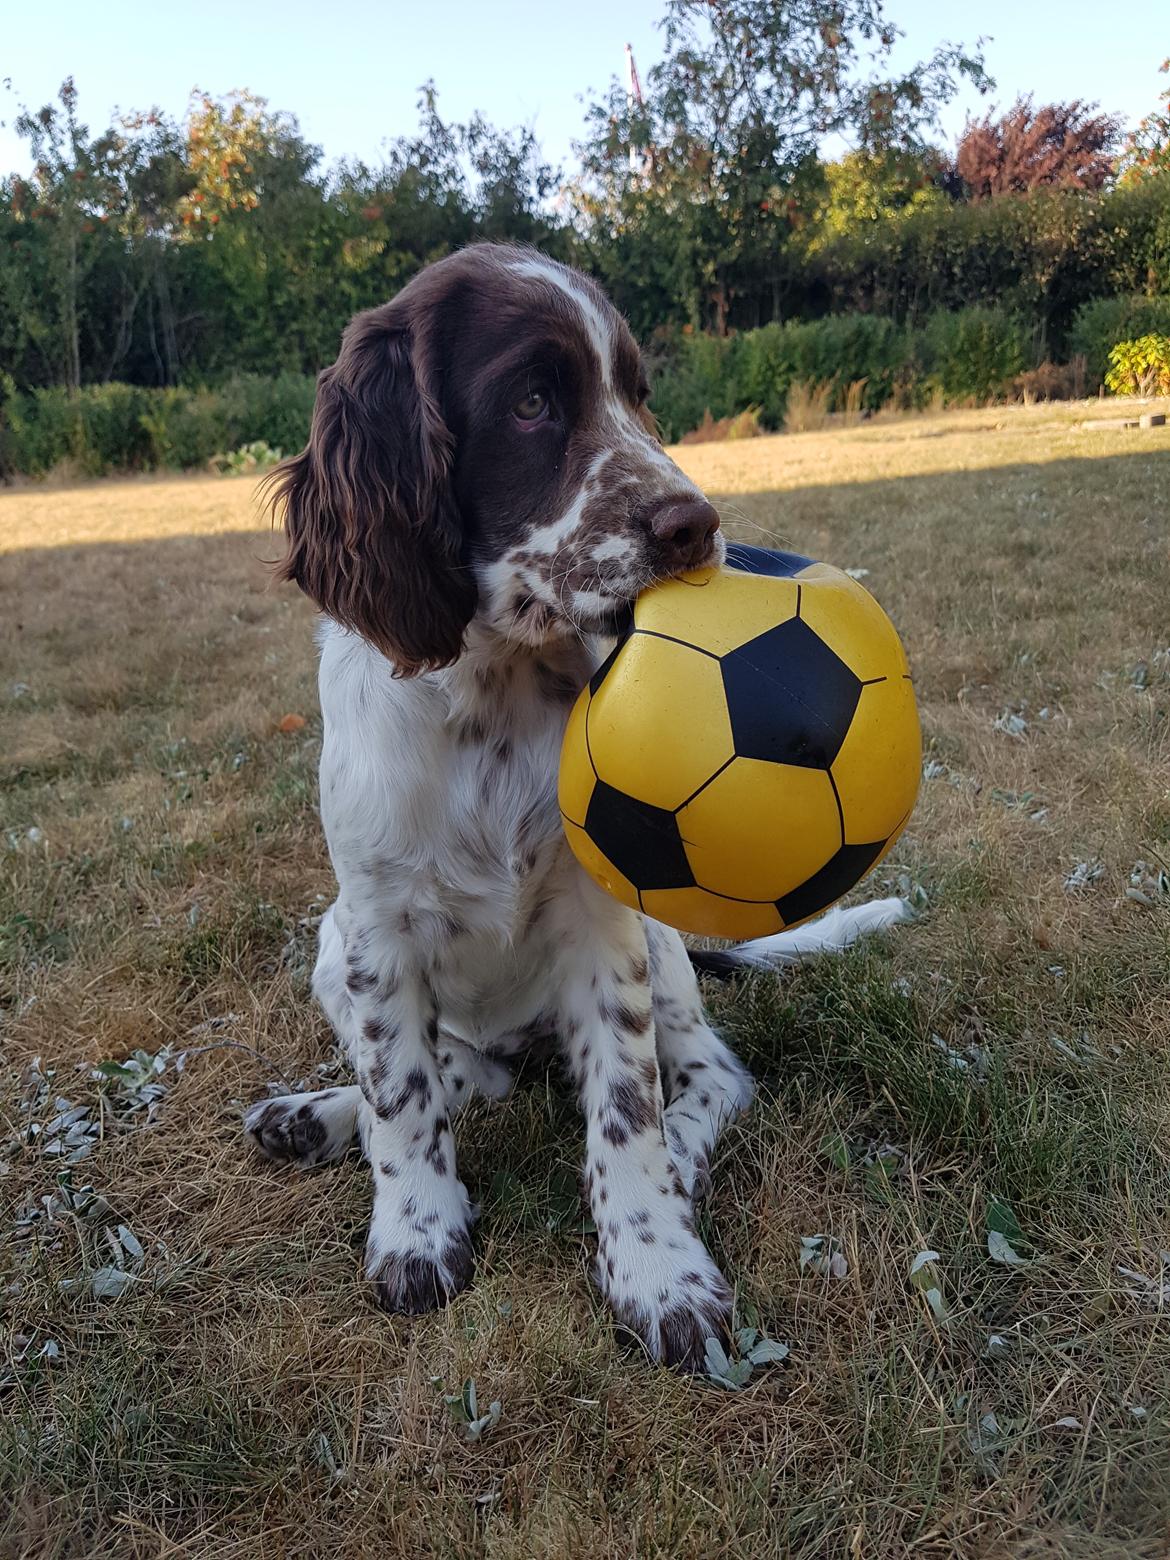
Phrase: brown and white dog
[481,499]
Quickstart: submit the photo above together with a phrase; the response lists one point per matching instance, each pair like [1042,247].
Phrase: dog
[482,497]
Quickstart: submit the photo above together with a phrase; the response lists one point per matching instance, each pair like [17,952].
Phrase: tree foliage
[1147,149]
[727,137]
[164,253]
[157,252]
[1064,145]
[862,188]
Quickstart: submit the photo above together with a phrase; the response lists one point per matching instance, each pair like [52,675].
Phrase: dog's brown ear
[373,531]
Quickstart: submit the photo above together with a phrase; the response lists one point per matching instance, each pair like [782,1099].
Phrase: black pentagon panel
[764,560]
[839,874]
[600,674]
[641,841]
[791,699]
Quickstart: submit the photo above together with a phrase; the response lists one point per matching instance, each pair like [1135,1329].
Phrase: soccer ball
[748,751]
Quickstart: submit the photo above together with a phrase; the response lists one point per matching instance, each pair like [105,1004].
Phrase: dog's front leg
[651,1265]
[418,1254]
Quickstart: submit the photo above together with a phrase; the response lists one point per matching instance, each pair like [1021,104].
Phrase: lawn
[1000,1066]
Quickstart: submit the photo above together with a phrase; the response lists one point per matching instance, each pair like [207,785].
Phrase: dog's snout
[683,528]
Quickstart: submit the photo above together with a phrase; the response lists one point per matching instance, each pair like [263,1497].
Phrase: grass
[161,870]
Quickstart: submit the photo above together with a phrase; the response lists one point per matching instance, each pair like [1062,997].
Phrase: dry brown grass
[256,1406]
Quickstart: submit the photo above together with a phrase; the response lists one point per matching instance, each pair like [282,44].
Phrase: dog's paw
[668,1294]
[418,1254]
[306,1129]
[412,1282]
[465,1071]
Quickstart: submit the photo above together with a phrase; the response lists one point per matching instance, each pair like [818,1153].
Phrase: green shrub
[691,378]
[974,354]
[185,427]
[1097,327]
[277,410]
[116,427]
[1140,367]
[1043,256]
[110,431]
[40,430]
[257,456]
[858,362]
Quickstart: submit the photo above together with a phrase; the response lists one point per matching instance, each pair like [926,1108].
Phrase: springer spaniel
[481,499]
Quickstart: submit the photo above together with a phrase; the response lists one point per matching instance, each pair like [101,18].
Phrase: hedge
[1043,256]
[964,355]
[968,355]
[115,427]
[1099,326]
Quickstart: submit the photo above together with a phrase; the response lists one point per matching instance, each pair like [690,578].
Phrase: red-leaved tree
[1069,145]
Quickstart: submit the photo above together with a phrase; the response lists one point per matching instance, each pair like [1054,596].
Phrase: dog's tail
[830,934]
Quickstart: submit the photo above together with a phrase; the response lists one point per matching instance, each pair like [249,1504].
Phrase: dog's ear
[373,531]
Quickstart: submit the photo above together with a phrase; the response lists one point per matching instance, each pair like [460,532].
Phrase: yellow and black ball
[748,751]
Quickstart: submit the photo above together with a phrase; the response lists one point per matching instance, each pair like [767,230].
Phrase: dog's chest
[498,864]
[505,825]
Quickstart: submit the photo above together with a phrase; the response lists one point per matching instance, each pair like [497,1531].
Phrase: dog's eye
[532,408]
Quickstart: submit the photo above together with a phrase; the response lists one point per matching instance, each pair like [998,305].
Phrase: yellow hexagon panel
[658,726]
[760,829]
[599,867]
[716,609]
[575,779]
[850,621]
[879,766]
[695,910]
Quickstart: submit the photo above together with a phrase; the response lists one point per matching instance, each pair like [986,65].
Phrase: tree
[1147,149]
[866,187]
[73,188]
[732,120]
[88,232]
[1066,145]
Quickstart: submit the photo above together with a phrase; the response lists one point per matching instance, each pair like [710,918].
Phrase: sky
[349,69]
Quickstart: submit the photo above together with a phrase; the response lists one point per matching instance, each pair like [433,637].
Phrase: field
[1000,1067]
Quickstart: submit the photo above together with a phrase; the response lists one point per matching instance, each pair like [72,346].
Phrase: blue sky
[349,70]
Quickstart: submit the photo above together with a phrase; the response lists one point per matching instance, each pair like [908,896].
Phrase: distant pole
[634,99]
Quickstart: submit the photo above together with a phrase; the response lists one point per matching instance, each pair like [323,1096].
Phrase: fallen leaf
[290,723]
[925,1276]
[1000,1249]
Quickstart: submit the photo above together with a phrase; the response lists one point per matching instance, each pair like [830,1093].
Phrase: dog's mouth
[619,616]
[612,624]
[602,603]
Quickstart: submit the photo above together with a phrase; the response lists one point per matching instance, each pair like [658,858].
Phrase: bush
[186,427]
[974,354]
[1140,367]
[277,410]
[257,456]
[1043,256]
[1052,381]
[115,427]
[808,406]
[691,381]
[98,431]
[745,425]
[1097,328]
[856,362]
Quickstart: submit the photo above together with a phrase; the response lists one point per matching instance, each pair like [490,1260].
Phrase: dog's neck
[501,685]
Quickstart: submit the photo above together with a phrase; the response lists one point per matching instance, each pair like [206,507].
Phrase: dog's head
[482,446]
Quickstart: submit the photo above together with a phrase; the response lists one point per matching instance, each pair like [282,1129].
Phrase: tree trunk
[70,319]
[166,311]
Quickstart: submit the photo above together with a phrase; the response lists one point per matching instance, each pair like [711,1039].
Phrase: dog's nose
[683,527]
